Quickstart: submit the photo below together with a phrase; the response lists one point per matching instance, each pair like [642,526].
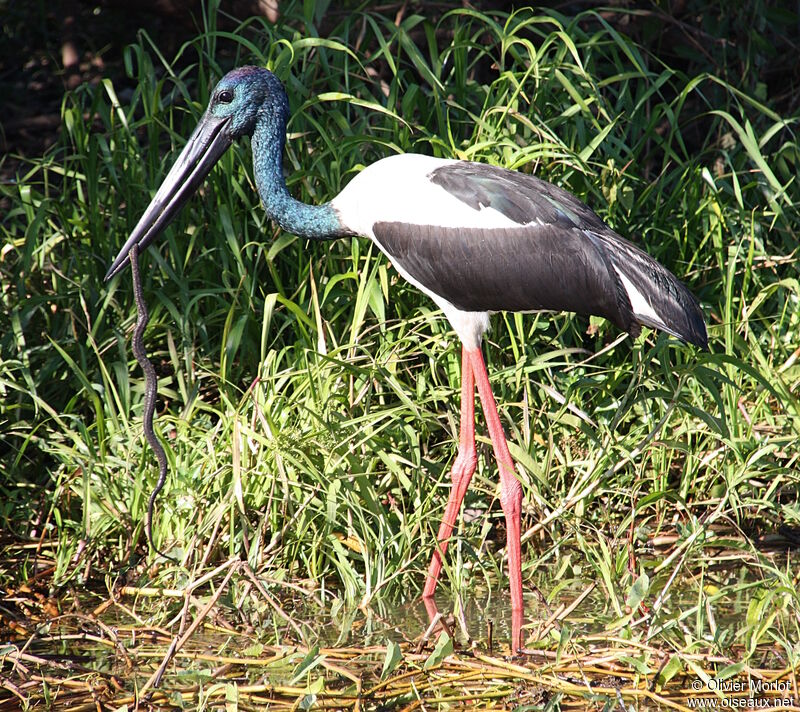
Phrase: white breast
[398,189]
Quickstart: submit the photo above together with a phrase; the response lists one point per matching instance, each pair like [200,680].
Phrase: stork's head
[244,94]
[239,100]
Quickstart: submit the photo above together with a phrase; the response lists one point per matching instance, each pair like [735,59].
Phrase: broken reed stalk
[150,392]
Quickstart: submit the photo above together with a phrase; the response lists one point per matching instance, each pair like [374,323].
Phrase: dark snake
[150,392]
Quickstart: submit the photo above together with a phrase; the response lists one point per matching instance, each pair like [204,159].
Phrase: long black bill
[203,149]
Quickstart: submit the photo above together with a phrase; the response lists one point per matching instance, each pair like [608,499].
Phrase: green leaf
[587,152]
[672,668]
[640,666]
[638,591]
[730,671]
[355,101]
[231,697]
[750,143]
[444,647]
[393,656]
[317,686]
[754,611]
[254,650]
[307,664]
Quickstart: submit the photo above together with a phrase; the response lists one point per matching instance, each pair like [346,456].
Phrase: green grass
[309,396]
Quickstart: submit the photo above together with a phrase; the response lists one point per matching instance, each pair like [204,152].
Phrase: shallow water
[294,638]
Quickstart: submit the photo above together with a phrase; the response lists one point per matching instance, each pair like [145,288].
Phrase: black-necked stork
[475,238]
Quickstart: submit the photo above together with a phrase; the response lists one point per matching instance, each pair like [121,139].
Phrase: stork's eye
[225,96]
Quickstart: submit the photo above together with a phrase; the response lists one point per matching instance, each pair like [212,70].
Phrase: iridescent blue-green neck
[314,221]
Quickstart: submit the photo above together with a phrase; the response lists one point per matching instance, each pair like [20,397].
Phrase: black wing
[563,257]
[509,269]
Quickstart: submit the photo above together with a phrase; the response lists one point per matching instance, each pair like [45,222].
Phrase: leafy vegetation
[308,395]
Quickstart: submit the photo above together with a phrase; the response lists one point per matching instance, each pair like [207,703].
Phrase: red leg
[510,493]
[461,474]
